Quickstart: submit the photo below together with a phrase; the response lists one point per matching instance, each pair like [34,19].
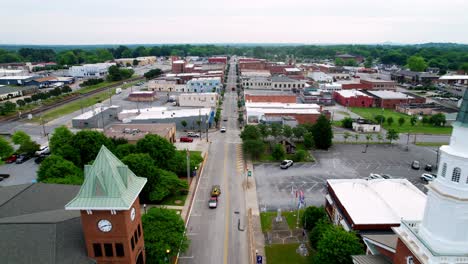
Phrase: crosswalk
[239,158]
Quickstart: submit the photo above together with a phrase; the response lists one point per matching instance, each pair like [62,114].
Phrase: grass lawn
[370,113]
[431,144]
[343,113]
[291,218]
[171,200]
[266,156]
[96,86]
[72,107]
[284,254]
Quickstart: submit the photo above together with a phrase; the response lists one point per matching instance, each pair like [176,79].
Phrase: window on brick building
[97,250]
[119,250]
[132,242]
[139,231]
[108,250]
[135,235]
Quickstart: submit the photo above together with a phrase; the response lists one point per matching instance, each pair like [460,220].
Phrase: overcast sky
[232,21]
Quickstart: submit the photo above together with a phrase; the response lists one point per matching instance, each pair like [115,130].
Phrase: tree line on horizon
[443,56]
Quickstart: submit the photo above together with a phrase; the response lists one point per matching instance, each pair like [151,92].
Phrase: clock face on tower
[104,225]
[132,213]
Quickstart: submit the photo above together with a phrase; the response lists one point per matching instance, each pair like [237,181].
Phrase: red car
[186,139]
[11,159]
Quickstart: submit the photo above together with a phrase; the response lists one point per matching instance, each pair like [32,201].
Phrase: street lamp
[144,207]
[167,255]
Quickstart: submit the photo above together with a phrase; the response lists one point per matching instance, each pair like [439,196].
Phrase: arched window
[444,169]
[456,174]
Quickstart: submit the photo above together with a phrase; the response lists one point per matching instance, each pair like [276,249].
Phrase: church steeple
[463,113]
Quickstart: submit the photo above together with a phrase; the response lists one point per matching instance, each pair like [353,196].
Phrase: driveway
[276,188]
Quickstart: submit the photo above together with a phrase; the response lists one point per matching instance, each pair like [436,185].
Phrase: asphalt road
[276,187]
[214,233]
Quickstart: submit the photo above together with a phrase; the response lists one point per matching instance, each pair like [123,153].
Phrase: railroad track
[66,101]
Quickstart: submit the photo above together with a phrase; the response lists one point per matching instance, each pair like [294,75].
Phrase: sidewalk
[252,203]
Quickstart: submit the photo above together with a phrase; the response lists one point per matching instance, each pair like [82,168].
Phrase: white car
[223,129]
[427,177]
[374,176]
[213,202]
[286,164]
[192,134]
[44,150]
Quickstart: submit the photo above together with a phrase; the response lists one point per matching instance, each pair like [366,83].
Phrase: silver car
[286,164]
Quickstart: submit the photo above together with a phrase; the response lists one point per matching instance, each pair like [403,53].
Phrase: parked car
[223,130]
[213,202]
[374,176]
[415,165]
[186,139]
[43,150]
[11,159]
[387,176]
[193,134]
[215,191]
[225,119]
[428,167]
[428,177]
[22,158]
[39,159]
[1,178]
[286,164]
[4,175]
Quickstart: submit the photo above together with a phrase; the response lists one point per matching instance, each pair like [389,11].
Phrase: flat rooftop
[385,201]
[281,108]
[268,92]
[351,93]
[454,77]
[96,111]
[137,131]
[390,95]
[17,77]
[165,113]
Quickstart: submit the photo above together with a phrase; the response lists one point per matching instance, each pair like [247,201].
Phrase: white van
[118,90]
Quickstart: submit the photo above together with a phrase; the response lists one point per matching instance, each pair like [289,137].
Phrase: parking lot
[19,173]
[276,188]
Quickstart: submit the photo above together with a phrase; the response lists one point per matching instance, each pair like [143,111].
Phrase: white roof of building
[197,94]
[206,79]
[143,92]
[183,74]
[325,65]
[390,95]
[454,77]
[8,71]
[385,201]
[158,113]
[351,93]
[292,69]
[178,62]
[255,74]
[19,77]
[96,111]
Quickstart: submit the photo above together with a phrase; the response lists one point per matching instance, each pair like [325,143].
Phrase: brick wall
[361,86]
[271,98]
[402,252]
[303,118]
[359,101]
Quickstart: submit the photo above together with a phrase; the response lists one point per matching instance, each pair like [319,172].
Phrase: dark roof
[38,228]
[463,114]
[389,240]
[370,259]
[10,89]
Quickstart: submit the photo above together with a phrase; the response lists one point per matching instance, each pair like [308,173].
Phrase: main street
[217,235]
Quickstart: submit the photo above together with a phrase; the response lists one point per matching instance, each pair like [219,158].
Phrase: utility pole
[110,96]
[188,166]
[44,130]
[206,123]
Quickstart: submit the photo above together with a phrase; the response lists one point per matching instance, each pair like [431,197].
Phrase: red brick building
[286,99]
[178,66]
[380,84]
[252,64]
[353,98]
[356,86]
[222,60]
[390,99]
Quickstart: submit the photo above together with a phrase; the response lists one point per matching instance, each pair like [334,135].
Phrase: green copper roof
[109,185]
[462,116]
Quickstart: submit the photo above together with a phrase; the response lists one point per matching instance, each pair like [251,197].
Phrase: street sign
[249,173]
[259,259]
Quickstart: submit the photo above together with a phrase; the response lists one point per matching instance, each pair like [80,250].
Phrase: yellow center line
[226,221]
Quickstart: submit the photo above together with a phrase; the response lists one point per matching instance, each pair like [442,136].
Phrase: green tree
[153,73]
[438,119]
[264,130]
[298,132]
[368,62]
[19,137]
[20,102]
[416,63]
[250,132]
[300,155]
[61,137]
[275,130]
[164,232]
[124,149]
[380,119]
[88,143]
[183,123]
[253,147]
[346,135]
[317,232]
[55,169]
[5,148]
[104,55]
[311,216]
[287,131]
[347,122]
[339,62]
[425,120]
[158,148]
[413,120]
[369,137]
[401,121]
[392,135]
[336,247]
[278,152]
[390,121]
[135,62]
[379,137]
[464,67]
[29,147]
[323,133]
[308,140]
[356,137]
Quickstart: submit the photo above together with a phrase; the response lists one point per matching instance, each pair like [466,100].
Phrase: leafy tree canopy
[55,169]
